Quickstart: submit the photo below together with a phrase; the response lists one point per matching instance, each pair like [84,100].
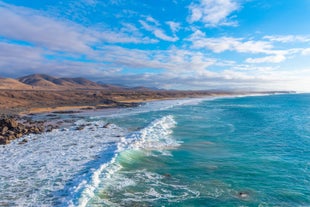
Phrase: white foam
[153,137]
[66,166]
[116,182]
[156,136]
[152,187]
[55,167]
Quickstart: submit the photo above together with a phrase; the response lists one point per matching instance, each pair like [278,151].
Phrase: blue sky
[172,44]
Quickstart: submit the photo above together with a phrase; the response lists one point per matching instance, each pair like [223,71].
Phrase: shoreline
[14,126]
[18,121]
[23,102]
[15,102]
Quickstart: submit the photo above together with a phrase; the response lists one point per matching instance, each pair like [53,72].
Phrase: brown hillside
[41,81]
[9,83]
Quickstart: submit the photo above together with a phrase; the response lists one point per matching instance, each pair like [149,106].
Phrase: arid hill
[48,93]
[9,83]
[37,93]
[42,81]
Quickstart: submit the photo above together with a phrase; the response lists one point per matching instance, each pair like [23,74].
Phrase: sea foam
[52,168]
[154,137]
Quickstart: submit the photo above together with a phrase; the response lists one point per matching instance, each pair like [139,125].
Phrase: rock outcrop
[11,129]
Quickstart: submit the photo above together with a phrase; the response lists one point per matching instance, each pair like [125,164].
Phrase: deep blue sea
[227,151]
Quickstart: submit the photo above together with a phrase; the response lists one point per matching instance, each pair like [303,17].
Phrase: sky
[170,44]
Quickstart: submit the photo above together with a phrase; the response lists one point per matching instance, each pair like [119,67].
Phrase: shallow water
[242,151]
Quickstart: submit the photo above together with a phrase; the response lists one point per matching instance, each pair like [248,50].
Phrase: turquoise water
[244,151]
[233,151]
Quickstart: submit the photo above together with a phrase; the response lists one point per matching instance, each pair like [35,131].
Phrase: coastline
[23,102]
[17,120]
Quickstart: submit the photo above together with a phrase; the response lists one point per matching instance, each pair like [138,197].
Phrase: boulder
[11,123]
[4,130]
[24,141]
[20,127]
[81,127]
[11,137]
[11,129]
[4,141]
[11,132]
[107,125]
[25,131]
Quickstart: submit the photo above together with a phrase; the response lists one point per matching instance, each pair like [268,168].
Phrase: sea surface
[224,151]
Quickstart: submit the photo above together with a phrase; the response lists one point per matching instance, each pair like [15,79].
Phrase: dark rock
[20,127]
[9,122]
[69,121]
[24,141]
[81,127]
[243,195]
[11,129]
[60,122]
[49,128]
[52,115]
[66,112]
[41,128]
[106,125]
[12,123]
[4,141]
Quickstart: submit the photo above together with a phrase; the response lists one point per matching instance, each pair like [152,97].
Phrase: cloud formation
[213,12]
[221,44]
[28,25]
[287,38]
[152,26]
[191,49]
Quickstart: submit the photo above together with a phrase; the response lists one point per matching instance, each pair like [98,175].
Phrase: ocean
[219,151]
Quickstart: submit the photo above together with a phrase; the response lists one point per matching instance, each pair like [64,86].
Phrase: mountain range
[47,82]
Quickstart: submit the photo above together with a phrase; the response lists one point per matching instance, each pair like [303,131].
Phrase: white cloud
[55,47]
[221,44]
[174,26]
[287,38]
[147,26]
[227,79]
[213,12]
[161,35]
[158,32]
[241,45]
[151,19]
[172,60]
[178,68]
[24,24]
[267,59]
[305,51]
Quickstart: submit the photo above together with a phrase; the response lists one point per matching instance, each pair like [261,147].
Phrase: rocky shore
[14,127]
